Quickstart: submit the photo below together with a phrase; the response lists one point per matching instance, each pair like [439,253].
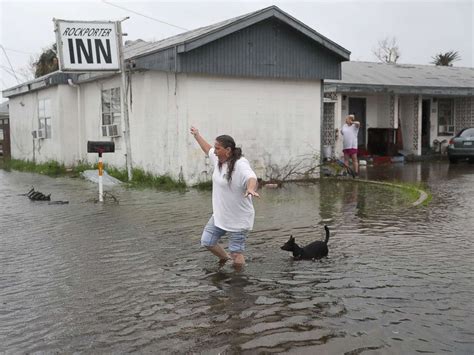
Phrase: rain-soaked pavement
[131,277]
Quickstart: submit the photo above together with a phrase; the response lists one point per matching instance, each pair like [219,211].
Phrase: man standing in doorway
[349,132]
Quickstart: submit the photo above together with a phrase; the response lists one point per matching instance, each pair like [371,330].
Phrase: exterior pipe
[79,114]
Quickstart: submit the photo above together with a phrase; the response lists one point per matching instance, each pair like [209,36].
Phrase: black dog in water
[314,250]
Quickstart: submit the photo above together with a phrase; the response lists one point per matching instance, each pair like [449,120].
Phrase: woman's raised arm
[201,141]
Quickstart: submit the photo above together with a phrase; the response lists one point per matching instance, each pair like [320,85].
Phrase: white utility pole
[124,101]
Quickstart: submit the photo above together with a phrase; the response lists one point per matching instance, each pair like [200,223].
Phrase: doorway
[4,138]
[357,107]
[425,125]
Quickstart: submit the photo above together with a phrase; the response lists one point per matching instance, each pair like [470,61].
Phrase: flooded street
[131,277]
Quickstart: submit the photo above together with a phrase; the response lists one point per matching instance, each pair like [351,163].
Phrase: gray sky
[422,28]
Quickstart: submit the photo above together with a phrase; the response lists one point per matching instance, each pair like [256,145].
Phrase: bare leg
[346,159]
[355,163]
[239,259]
[218,251]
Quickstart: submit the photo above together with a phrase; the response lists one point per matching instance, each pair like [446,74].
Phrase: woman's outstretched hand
[194,131]
[201,141]
[252,193]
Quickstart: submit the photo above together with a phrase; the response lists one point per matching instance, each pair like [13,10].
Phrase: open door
[5,138]
[357,107]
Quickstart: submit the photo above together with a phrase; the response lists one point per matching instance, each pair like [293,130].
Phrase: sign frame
[115,47]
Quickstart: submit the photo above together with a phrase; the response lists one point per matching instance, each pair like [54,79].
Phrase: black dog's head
[289,245]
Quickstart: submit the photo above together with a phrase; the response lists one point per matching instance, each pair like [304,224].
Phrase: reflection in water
[132,277]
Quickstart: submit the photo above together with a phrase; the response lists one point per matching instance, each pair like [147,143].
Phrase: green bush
[53,168]
[164,182]
[50,168]
[204,186]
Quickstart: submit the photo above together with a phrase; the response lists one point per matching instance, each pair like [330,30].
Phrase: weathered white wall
[65,136]
[23,119]
[274,121]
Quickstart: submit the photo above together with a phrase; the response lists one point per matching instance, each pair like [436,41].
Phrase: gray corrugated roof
[190,40]
[220,29]
[139,48]
[367,73]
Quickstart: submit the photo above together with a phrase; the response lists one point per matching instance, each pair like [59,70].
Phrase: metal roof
[185,42]
[193,39]
[403,77]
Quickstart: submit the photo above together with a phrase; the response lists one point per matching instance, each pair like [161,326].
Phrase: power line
[148,17]
[11,66]
[3,82]
[9,72]
[16,50]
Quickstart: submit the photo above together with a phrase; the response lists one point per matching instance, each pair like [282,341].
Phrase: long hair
[235,153]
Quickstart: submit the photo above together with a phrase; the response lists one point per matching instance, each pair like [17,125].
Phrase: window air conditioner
[39,134]
[111,130]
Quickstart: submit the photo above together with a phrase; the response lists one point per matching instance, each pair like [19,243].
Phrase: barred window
[445,117]
[44,117]
[111,112]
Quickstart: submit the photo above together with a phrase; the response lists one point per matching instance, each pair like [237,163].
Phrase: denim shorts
[212,234]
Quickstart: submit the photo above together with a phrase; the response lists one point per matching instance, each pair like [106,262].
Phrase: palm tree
[47,62]
[446,59]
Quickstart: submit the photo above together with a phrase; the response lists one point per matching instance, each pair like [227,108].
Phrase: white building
[402,107]
[257,77]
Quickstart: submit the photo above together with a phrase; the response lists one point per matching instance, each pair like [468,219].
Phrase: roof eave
[398,89]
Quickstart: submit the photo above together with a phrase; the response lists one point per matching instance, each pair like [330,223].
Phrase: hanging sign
[87,45]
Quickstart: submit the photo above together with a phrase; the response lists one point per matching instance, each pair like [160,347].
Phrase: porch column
[396,109]
[417,125]
[338,125]
[394,114]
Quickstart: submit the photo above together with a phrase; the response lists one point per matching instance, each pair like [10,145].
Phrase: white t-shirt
[232,211]
[349,136]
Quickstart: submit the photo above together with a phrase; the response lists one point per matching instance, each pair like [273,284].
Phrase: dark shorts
[350,151]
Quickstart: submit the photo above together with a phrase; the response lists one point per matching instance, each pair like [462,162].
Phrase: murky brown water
[94,278]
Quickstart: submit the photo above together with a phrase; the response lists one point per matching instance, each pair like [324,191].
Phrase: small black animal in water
[314,250]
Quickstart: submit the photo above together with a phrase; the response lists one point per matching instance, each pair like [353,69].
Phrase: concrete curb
[423,196]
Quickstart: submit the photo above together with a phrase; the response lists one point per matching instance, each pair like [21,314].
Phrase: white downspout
[79,115]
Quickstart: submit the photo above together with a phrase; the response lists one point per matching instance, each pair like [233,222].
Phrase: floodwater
[131,277]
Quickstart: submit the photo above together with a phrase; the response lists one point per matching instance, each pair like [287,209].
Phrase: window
[44,118]
[445,117]
[111,112]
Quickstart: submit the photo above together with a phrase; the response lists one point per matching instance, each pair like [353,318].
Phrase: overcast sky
[422,28]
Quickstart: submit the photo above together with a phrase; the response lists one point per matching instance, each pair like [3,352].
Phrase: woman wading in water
[233,185]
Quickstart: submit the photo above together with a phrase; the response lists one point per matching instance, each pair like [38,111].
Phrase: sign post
[100,148]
